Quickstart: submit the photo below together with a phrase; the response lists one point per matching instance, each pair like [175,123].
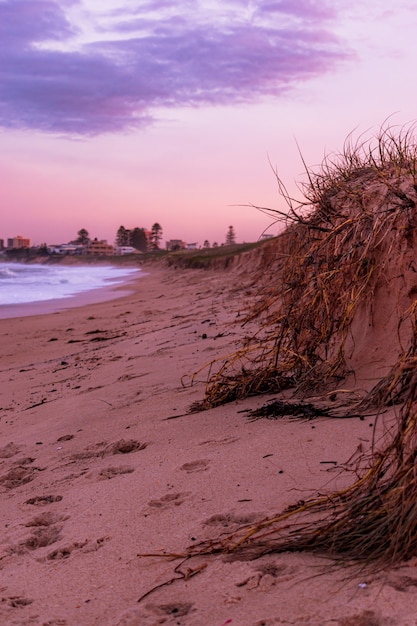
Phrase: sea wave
[21,283]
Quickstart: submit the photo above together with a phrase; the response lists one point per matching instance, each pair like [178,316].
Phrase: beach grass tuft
[348,247]
[341,244]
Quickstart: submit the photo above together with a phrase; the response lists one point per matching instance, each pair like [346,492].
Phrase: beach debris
[279,408]
[181,575]
[33,406]
[65,438]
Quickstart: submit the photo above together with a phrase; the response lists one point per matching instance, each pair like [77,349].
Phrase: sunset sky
[134,112]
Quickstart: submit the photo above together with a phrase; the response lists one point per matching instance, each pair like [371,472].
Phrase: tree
[122,236]
[156,236]
[206,244]
[83,237]
[138,239]
[43,250]
[230,236]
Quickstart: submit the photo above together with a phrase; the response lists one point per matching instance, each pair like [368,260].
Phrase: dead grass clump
[350,241]
[373,522]
[351,251]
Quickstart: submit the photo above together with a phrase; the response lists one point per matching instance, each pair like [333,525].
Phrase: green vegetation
[209,257]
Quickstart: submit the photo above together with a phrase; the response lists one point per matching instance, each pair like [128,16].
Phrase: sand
[100,462]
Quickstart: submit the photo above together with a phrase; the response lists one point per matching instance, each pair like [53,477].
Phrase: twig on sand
[189,573]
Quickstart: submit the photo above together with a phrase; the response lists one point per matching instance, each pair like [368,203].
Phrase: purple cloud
[163,54]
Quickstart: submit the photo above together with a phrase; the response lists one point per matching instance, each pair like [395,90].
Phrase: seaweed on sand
[279,408]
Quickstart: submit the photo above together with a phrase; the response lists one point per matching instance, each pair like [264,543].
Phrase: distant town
[127,241]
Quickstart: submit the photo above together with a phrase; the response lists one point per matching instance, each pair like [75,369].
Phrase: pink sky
[135,112]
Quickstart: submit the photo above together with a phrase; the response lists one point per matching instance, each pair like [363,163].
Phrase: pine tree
[138,239]
[156,236]
[230,236]
[122,237]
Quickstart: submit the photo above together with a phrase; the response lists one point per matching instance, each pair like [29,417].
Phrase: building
[121,250]
[18,242]
[99,247]
[66,248]
[175,244]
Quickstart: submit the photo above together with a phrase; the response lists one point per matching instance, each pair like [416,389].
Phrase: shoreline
[101,463]
[84,298]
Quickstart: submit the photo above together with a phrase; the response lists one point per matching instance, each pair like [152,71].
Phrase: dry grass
[358,215]
[373,522]
[356,223]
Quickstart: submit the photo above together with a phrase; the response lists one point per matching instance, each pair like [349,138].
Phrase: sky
[135,112]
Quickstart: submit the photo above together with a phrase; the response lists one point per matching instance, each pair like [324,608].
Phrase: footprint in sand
[111,472]
[64,552]
[227,520]
[9,450]
[45,519]
[45,530]
[17,476]
[147,615]
[195,466]
[16,602]
[41,537]
[102,449]
[43,500]
[366,618]
[167,502]
[267,575]
[219,442]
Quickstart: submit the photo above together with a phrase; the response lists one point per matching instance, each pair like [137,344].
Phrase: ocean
[23,284]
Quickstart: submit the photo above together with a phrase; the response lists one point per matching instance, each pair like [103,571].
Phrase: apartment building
[18,242]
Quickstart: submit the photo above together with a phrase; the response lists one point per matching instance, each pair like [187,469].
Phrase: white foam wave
[21,283]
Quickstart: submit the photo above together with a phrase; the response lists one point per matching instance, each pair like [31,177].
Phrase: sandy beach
[101,463]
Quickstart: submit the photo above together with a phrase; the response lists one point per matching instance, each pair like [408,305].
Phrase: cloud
[56,78]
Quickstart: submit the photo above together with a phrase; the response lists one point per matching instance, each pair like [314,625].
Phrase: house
[66,248]
[99,247]
[175,244]
[125,250]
